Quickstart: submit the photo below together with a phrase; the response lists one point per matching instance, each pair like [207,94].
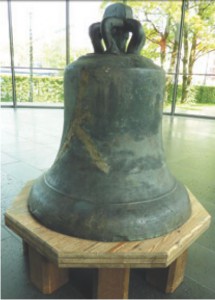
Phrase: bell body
[110,181]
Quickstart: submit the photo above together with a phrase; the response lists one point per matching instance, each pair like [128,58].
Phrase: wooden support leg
[113,283]
[45,275]
[168,279]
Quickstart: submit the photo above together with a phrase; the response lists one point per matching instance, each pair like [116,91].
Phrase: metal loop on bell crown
[114,30]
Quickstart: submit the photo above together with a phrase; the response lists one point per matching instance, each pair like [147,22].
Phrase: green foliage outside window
[198,94]
[48,89]
[161,23]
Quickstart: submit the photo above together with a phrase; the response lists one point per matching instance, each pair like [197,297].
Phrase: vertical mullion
[67,33]
[12,53]
[175,89]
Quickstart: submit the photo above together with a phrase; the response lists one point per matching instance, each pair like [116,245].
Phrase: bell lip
[74,219]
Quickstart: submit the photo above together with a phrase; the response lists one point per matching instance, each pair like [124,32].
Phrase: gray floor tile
[10,186]
[201,266]
[16,149]
[22,171]
[5,234]
[42,158]
[7,159]
[189,289]
[208,238]
[15,281]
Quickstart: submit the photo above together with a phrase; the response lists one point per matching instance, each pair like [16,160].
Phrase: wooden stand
[51,254]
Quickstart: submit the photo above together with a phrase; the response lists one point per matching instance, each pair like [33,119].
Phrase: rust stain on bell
[110,181]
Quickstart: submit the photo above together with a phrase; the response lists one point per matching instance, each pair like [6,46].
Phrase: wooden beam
[168,279]
[113,283]
[45,275]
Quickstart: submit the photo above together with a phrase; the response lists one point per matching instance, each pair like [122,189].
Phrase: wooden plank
[69,251]
[52,253]
[44,240]
[168,279]
[113,283]
[176,273]
[46,276]
[110,264]
[30,240]
[97,263]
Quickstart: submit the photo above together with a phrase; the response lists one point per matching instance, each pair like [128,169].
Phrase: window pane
[197,90]
[161,23]
[6,78]
[201,96]
[82,15]
[43,86]
[168,96]
[6,85]
[39,50]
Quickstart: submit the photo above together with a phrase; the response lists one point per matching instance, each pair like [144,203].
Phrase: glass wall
[161,22]
[47,35]
[82,15]
[38,30]
[196,89]
[6,90]
[39,50]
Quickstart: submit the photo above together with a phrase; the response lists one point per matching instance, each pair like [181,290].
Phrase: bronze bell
[110,181]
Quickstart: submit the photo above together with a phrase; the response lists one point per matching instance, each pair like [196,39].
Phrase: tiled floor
[30,140]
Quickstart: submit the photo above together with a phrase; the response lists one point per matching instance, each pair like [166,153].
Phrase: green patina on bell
[110,181]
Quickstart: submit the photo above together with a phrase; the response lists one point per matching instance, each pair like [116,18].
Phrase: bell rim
[109,224]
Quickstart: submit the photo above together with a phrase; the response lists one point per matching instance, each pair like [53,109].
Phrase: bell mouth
[113,222]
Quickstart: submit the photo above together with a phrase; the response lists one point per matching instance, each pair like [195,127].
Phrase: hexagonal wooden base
[52,254]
